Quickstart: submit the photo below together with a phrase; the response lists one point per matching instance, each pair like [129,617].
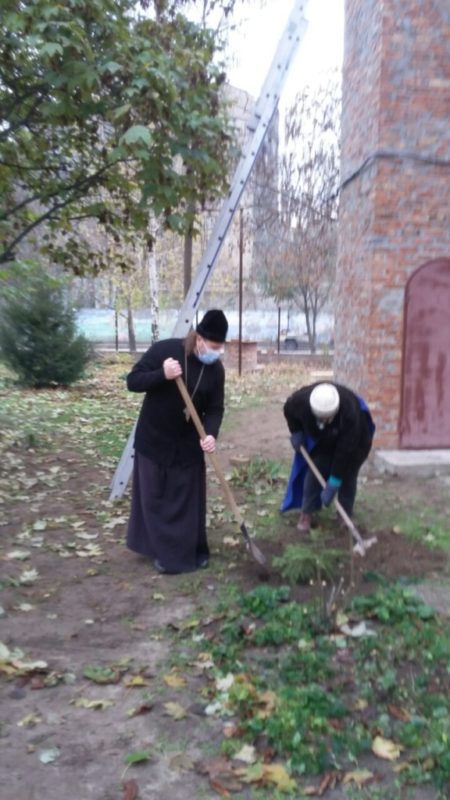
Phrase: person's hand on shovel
[172,369]
[208,444]
[330,490]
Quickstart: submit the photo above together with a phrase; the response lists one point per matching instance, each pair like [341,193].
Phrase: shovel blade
[255,552]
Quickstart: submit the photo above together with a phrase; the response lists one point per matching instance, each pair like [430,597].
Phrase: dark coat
[162,432]
[348,437]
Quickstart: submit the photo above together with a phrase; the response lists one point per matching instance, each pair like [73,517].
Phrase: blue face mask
[208,356]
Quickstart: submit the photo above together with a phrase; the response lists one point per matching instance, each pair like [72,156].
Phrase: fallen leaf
[175,710]
[385,748]
[130,790]
[142,709]
[158,596]
[404,765]
[230,729]
[399,713]
[28,576]
[247,754]
[277,774]
[358,776]
[219,788]
[138,757]
[47,756]
[136,681]
[181,761]
[101,675]
[251,774]
[223,684]
[175,681]
[83,702]
[357,631]
[29,721]
[19,555]
[24,607]
[116,521]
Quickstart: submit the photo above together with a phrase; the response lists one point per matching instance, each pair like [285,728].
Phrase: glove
[329,492]
[297,439]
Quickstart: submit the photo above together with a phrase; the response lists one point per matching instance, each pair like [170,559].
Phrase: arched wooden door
[425,407]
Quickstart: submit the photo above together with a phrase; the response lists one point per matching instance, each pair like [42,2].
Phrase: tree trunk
[130,324]
[153,280]
[187,263]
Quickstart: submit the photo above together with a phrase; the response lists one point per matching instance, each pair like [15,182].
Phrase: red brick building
[392,337]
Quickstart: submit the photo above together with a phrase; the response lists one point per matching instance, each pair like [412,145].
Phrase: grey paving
[413,462]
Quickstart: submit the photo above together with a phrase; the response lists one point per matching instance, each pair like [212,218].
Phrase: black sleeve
[295,411]
[148,371]
[349,439]
[213,414]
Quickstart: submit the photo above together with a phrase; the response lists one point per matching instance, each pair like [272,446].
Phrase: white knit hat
[324,400]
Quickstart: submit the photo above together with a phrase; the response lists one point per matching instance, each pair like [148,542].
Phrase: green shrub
[303,562]
[38,336]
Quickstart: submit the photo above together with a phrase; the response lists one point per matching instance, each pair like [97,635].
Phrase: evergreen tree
[38,336]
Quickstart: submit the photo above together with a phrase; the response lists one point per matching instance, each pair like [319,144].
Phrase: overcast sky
[258,31]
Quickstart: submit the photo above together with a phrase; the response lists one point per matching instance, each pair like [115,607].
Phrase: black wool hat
[213,326]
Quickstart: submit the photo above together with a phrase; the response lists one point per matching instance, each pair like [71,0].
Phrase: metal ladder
[265,109]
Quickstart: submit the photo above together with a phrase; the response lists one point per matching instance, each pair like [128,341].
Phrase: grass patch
[418,521]
[319,698]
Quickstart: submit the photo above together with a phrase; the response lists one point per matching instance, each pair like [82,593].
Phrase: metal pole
[279,330]
[241,270]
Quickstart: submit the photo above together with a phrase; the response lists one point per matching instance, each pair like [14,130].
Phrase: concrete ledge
[425,463]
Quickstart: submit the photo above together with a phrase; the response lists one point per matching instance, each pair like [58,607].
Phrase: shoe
[202,562]
[160,567]
[304,523]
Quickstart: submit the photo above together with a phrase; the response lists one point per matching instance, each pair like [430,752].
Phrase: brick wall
[395,199]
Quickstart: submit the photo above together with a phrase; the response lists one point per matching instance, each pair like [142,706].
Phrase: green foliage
[324,712]
[108,114]
[264,599]
[38,337]
[392,605]
[258,475]
[303,562]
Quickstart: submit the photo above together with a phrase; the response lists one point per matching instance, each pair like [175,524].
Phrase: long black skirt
[168,514]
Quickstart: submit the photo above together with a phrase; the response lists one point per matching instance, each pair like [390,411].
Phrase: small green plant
[258,474]
[393,604]
[303,562]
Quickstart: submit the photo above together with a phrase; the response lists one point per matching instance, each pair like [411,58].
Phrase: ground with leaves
[119,683]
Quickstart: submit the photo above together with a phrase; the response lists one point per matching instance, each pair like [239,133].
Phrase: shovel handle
[212,456]
[254,549]
[341,511]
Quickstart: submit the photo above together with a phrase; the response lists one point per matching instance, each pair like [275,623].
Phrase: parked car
[292,341]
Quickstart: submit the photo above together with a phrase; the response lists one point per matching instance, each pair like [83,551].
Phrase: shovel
[362,545]
[255,552]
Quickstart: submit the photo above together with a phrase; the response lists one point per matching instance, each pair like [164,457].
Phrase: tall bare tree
[299,261]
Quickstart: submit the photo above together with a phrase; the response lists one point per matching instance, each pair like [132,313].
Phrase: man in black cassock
[168,511]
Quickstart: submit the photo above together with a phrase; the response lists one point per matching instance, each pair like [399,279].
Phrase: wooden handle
[323,483]
[212,456]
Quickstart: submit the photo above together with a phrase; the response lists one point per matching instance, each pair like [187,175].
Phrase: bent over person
[335,426]
[168,508]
